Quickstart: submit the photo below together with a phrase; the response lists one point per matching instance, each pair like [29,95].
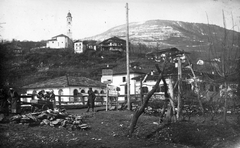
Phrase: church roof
[60,36]
[65,81]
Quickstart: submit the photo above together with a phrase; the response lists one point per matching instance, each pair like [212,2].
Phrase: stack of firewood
[52,118]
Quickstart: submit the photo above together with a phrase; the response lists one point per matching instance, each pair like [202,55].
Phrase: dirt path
[109,130]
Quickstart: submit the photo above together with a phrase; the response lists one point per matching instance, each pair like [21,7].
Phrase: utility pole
[127,57]
[223,60]
[179,87]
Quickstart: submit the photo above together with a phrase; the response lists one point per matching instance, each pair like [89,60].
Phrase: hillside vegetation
[42,64]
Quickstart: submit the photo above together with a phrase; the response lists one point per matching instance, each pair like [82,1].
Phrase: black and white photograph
[120,74]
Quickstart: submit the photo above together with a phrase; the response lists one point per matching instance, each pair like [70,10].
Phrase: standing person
[15,102]
[91,99]
[52,99]
[4,102]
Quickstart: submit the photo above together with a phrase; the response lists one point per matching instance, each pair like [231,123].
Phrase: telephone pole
[127,57]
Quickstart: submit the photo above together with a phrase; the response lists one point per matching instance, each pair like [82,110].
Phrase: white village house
[78,46]
[62,41]
[117,77]
[66,85]
[59,41]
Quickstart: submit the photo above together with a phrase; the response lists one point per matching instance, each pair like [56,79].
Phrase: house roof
[66,81]
[119,70]
[52,39]
[77,41]
[90,42]
[122,69]
[113,39]
[60,35]
[172,51]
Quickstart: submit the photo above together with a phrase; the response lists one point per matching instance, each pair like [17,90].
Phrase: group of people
[48,96]
[9,99]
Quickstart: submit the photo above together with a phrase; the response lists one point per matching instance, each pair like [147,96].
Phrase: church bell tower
[69,25]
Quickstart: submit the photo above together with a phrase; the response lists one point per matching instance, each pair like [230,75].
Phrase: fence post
[117,101]
[54,102]
[59,100]
[107,93]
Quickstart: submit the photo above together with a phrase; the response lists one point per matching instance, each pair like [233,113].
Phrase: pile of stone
[56,118]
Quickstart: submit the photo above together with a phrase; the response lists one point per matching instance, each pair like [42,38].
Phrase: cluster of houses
[79,46]
[114,79]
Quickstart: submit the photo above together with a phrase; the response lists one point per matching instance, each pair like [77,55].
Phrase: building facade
[113,44]
[59,41]
[67,85]
[117,77]
[79,46]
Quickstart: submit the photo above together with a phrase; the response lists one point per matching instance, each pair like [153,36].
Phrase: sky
[36,20]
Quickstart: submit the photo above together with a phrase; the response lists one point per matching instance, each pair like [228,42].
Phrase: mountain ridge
[168,33]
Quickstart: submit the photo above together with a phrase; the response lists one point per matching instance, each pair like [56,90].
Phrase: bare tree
[223,56]
[138,113]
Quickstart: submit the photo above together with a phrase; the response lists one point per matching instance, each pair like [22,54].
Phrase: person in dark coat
[91,99]
[15,102]
[41,95]
[4,102]
[52,99]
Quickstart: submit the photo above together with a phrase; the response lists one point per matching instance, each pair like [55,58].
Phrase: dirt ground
[109,130]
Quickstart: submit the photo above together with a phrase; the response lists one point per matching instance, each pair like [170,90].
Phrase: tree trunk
[145,102]
[171,92]
[225,103]
[199,100]
[163,111]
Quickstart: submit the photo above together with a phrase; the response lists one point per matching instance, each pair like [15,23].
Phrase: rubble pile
[60,119]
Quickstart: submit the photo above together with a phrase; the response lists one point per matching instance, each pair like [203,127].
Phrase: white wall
[149,85]
[106,78]
[60,42]
[78,47]
[118,81]
[65,91]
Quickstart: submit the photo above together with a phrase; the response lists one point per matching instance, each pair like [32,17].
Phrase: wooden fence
[109,100]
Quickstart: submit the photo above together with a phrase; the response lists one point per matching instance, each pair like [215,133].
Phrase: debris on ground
[54,118]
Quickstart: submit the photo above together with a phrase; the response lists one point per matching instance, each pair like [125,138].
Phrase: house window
[144,90]
[124,79]
[75,92]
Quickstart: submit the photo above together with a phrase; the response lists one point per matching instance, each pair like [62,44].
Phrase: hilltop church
[62,41]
